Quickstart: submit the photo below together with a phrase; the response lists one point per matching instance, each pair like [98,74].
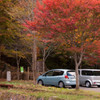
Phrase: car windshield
[91,73]
[71,73]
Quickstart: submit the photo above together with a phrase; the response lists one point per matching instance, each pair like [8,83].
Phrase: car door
[57,76]
[85,75]
[47,78]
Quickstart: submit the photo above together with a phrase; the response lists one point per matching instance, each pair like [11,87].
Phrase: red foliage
[56,17]
[62,15]
[29,34]
[93,53]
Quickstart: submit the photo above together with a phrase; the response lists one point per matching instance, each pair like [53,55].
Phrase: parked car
[89,77]
[58,77]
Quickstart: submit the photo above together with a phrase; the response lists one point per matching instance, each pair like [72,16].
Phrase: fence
[22,76]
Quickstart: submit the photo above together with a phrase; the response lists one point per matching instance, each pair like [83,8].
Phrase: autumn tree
[6,28]
[21,12]
[47,45]
[19,49]
[93,58]
[75,21]
[11,38]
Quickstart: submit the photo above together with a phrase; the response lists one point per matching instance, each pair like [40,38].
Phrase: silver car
[58,77]
[89,77]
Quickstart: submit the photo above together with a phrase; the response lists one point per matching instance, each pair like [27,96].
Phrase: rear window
[96,73]
[91,73]
[71,73]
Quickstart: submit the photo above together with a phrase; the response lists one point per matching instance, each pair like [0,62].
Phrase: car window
[89,73]
[71,73]
[49,73]
[96,73]
[58,73]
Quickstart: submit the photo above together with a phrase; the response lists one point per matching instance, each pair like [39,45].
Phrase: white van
[89,77]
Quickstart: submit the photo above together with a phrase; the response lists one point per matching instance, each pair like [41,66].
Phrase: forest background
[17,41]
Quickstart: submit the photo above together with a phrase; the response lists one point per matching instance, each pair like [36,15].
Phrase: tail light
[66,76]
[94,82]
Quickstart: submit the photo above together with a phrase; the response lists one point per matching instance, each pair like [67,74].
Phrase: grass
[27,88]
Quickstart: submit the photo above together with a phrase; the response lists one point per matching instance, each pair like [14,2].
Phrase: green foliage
[6,28]
[13,40]
[59,59]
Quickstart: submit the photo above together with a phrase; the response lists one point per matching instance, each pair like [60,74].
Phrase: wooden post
[28,73]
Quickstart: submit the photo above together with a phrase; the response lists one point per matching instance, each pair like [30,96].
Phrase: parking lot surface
[95,89]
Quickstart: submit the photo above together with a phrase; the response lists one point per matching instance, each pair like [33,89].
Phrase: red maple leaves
[64,17]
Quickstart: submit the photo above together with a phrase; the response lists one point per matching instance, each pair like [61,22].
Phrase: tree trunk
[78,60]
[17,70]
[0,58]
[28,73]
[18,62]
[44,60]
[77,77]
[34,58]
[43,65]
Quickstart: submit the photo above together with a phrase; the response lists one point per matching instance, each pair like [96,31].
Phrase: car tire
[87,84]
[40,82]
[61,84]
[73,86]
[98,85]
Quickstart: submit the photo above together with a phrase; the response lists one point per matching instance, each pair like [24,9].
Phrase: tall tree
[6,29]
[19,50]
[47,45]
[21,12]
[75,21]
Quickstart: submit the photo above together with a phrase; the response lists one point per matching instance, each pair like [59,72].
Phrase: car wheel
[98,85]
[61,84]
[40,82]
[88,84]
[73,86]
